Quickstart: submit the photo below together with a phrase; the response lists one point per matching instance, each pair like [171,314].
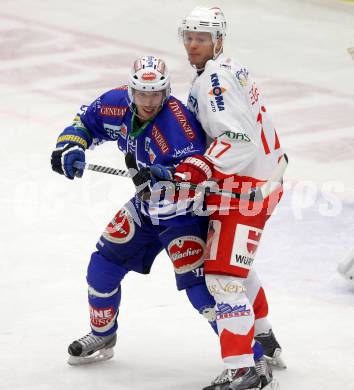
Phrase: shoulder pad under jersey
[113,103]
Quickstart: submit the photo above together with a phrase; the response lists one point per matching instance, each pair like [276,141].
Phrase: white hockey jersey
[229,106]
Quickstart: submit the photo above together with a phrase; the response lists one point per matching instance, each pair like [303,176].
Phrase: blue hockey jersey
[170,137]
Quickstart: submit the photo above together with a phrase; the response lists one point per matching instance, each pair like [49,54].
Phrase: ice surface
[56,56]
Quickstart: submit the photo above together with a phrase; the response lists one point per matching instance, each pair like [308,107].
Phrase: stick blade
[351,51]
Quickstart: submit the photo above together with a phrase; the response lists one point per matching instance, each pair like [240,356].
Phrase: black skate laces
[90,340]
[226,376]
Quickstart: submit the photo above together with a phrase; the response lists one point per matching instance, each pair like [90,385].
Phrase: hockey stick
[255,194]
[351,51]
[123,173]
[100,168]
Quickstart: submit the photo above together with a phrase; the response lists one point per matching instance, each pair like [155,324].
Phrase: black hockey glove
[141,178]
[63,158]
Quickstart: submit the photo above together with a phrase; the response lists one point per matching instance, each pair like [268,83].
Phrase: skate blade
[276,360]
[272,385]
[99,356]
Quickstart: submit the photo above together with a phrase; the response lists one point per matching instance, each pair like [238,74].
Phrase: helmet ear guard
[149,74]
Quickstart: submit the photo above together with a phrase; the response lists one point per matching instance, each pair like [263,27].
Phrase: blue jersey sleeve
[105,115]
[76,134]
[95,122]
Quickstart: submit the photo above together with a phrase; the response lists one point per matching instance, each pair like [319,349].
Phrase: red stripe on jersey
[277,143]
[264,142]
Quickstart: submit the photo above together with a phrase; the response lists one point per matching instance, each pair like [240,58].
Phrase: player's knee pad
[225,288]
[103,275]
[234,313]
[104,294]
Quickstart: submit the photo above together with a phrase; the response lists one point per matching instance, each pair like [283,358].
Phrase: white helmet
[205,19]
[149,74]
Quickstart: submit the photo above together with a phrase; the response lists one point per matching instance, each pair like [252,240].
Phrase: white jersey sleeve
[228,105]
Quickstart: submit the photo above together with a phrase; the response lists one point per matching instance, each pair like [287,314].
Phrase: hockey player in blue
[158,131]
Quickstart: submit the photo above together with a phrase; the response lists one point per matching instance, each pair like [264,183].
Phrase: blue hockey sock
[104,294]
[204,302]
[257,350]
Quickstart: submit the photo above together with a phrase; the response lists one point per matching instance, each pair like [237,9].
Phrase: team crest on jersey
[217,91]
[186,253]
[242,77]
[245,245]
[121,229]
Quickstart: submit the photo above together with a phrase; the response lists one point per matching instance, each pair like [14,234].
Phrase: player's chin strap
[209,187]
[216,54]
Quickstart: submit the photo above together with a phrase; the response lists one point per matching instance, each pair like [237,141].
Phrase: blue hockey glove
[160,172]
[63,158]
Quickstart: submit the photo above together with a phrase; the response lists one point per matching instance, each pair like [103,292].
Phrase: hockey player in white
[244,153]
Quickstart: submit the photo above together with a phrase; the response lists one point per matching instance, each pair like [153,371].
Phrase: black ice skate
[91,349]
[238,379]
[264,371]
[249,378]
[271,348]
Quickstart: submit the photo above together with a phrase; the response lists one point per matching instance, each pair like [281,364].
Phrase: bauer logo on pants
[121,229]
[186,253]
[245,245]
